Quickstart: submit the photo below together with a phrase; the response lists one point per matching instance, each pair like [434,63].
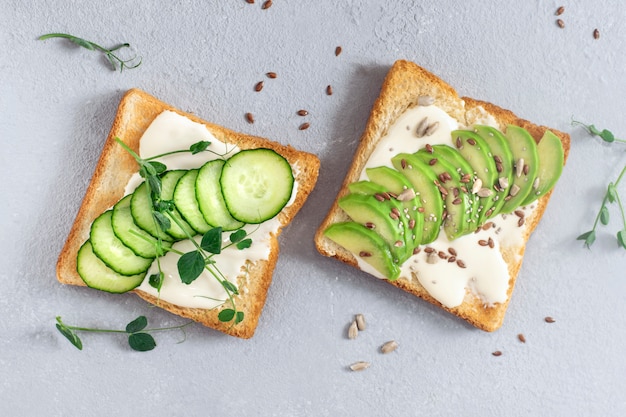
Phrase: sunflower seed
[389,346]
[353,330]
[478,184]
[360,322]
[421,128]
[503,182]
[514,190]
[406,195]
[519,167]
[431,129]
[359,366]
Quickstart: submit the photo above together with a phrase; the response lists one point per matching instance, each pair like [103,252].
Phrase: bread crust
[401,89]
[115,167]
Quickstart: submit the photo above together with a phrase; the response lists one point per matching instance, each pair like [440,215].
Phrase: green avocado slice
[365,244]
[525,166]
[551,157]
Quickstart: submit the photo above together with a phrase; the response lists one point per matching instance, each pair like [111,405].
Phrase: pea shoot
[110,54]
[611,195]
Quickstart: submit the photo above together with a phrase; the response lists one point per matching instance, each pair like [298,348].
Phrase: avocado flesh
[499,150]
[366,244]
[457,203]
[423,179]
[522,146]
[478,154]
[395,182]
[367,210]
[551,157]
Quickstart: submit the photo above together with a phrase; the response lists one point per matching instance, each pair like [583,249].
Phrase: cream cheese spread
[485,273]
[170,132]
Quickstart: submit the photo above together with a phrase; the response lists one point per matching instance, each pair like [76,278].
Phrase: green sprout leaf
[229,286]
[604,215]
[199,147]
[606,136]
[212,241]
[69,334]
[137,325]
[226,315]
[244,244]
[612,193]
[158,167]
[621,238]
[141,342]
[190,266]
[238,236]
[589,237]
[162,220]
[156,280]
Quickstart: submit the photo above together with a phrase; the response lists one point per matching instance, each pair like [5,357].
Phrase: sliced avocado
[525,166]
[551,156]
[503,158]
[423,180]
[381,216]
[366,187]
[457,203]
[478,154]
[366,245]
[403,191]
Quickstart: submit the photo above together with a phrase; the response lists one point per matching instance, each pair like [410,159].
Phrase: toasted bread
[405,83]
[115,167]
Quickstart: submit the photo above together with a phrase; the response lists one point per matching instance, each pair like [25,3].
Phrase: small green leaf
[156,280]
[199,147]
[70,335]
[163,206]
[621,238]
[190,266]
[212,241]
[158,167]
[612,193]
[141,342]
[82,42]
[244,244]
[239,318]
[238,235]
[593,130]
[604,215]
[226,315]
[162,220]
[154,182]
[607,136]
[229,286]
[137,325]
[589,237]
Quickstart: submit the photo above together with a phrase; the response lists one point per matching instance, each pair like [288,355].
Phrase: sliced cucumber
[96,274]
[210,198]
[256,184]
[138,240]
[112,251]
[179,229]
[141,210]
[187,204]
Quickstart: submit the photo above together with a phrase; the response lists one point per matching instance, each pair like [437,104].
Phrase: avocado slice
[366,187]
[551,156]
[478,154]
[381,216]
[503,158]
[366,244]
[525,166]
[399,185]
[423,180]
[457,203]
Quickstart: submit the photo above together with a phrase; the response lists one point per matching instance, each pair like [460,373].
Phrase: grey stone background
[57,103]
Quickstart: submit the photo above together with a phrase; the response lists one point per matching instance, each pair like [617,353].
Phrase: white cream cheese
[171,132]
[485,273]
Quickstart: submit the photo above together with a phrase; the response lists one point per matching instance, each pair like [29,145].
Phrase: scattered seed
[429,148]
[497,353]
[471,141]
[520,222]
[503,182]
[417,250]
[499,167]
[302,112]
[432,258]
[459,143]
[484,192]
[304,126]
[267,4]
[359,366]
[560,23]
[398,243]
[406,195]
[360,322]
[483,242]
[353,330]
[521,338]
[370,225]
[329,90]
[549,320]
[514,190]
[526,169]
[412,224]
[442,254]
[466,178]
[491,243]
[250,118]
[403,163]
[478,184]
[250,1]
[452,259]
[596,34]
[337,50]
[488,226]
[271,75]
[460,263]
[389,347]
[425,101]
[393,215]
[431,128]
[258,86]
[452,251]
[432,162]
[497,158]
[421,209]
[421,128]
[519,213]
[560,11]
[364,254]
[456,201]
[428,249]
[519,167]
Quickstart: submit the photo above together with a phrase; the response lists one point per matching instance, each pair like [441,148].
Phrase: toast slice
[408,86]
[116,166]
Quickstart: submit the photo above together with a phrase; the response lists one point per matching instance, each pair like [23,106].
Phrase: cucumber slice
[187,204]
[112,251]
[256,184]
[168,184]
[210,198]
[138,240]
[141,210]
[97,275]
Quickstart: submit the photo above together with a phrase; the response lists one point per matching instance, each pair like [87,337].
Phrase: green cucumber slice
[96,274]
[141,210]
[124,227]
[112,251]
[210,198]
[187,204]
[256,185]
[179,229]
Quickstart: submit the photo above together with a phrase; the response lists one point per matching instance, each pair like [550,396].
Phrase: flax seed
[338,50]
[302,112]
[482,242]
[250,118]
[250,1]
[428,249]
[452,259]
[304,126]
[370,225]
[267,4]
[459,143]
[491,243]
[519,213]
[432,162]
[442,254]
[471,141]
[521,222]
[460,263]
[452,251]
[560,23]
[364,254]
[487,226]
[329,90]
[429,148]
[549,320]
[258,86]
[271,75]
[521,338]
[497,353]
[417,250]
[596,34]
[559,11]
[526,169]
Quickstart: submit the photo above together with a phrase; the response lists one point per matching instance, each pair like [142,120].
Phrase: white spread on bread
[169,132]
[486,273]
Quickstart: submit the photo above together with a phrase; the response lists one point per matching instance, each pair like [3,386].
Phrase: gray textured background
[57,103]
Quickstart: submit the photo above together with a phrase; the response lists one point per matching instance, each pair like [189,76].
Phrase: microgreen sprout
[610,196]
[113,59]
[139,337]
